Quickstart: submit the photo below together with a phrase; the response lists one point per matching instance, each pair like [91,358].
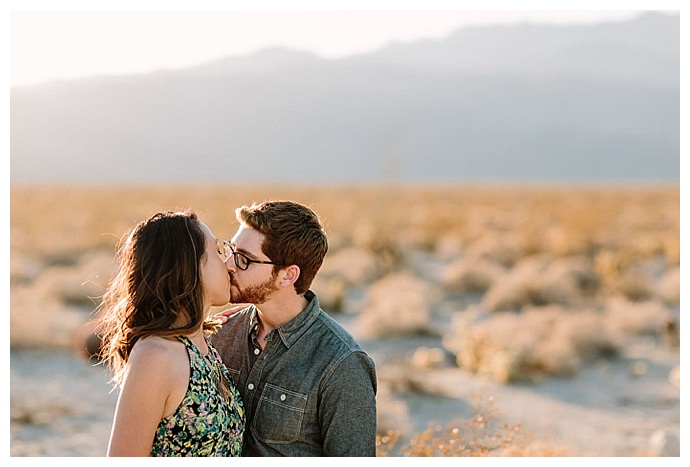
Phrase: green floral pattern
[205,423]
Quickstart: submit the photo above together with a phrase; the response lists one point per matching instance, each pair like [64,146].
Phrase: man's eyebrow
[249,254]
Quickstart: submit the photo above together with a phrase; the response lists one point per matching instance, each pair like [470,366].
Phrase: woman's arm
[150,377]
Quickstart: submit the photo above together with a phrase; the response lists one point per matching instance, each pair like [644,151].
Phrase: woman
[176,397]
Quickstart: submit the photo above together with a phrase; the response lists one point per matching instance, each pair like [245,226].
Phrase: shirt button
[250,386]
[283,397]
[257,351]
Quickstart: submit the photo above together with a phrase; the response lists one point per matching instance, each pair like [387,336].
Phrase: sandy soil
[60,404]
[611,408]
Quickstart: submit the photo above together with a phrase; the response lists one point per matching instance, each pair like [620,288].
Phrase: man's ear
[289,275]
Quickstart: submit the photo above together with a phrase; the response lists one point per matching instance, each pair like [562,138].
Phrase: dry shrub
[668,287]
[341,270]
[542,280]
[526,346]
[623,273]
[648,318]
[380,243]
[471,275]
[52,310]
[636,286]
[615,226]
[476,351]
[331,292]
[484,435]
[399,379]
[504,248]
[40,319]
[671,246]
[645,244]
[428,358]
[353,266]
[610,266]
[397,305]
[25,268]
[386,443]
[674,376]
[560,240]
[82,284]
[449,245]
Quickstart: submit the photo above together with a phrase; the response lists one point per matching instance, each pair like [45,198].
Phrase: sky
[79,40]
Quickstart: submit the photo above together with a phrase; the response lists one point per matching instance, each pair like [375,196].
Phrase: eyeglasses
[242,261]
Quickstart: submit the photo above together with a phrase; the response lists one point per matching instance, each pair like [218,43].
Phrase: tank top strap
[186,341]
[195,356]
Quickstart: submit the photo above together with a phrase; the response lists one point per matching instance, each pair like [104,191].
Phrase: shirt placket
[258,359]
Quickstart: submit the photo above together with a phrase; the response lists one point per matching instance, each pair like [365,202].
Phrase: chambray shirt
[310,392]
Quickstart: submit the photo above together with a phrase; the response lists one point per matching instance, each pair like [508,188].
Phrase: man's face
[257,283]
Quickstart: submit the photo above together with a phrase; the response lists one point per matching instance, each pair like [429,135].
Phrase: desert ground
[503,320]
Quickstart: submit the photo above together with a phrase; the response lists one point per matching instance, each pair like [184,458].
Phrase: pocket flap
[284,397]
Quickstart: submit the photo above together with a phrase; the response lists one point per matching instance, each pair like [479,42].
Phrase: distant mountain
[525,102]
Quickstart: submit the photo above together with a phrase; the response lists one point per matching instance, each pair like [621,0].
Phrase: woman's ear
[289,275]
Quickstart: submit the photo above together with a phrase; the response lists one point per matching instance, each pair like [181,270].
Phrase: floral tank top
[206,423]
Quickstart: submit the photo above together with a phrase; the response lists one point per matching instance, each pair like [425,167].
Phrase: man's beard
[255,294]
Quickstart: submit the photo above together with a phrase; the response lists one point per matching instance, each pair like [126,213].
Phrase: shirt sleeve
[347,408]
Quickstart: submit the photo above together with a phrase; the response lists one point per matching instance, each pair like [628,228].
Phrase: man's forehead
[247,238]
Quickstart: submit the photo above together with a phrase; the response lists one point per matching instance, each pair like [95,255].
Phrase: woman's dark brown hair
[157,289]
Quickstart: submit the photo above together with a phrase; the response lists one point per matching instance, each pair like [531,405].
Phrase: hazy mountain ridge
[526,102]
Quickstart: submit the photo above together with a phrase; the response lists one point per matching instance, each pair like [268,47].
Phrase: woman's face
[214,275]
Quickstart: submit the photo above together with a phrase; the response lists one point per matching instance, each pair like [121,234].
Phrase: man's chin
[235,296]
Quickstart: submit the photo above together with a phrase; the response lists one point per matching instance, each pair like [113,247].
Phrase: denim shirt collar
[291,331]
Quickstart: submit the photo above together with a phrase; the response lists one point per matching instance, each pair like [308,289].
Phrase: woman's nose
[230,263]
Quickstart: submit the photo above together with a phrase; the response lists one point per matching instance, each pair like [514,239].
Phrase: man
[307,386]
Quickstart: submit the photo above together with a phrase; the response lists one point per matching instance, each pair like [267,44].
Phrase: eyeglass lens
[241,261]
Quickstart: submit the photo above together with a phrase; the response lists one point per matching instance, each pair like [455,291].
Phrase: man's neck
[280,311]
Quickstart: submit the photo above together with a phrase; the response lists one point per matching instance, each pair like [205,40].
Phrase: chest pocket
[279,415]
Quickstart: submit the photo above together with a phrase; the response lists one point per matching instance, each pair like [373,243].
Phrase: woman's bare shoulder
[156,353]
